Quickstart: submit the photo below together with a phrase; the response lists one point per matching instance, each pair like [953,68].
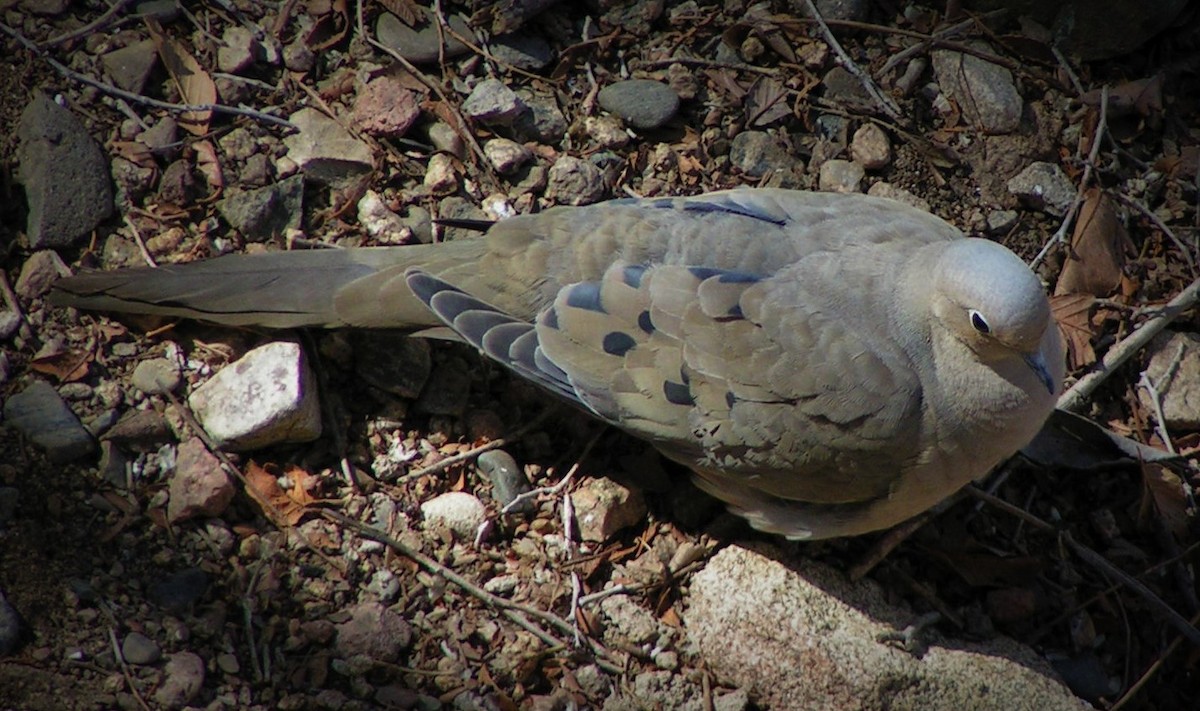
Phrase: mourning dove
[825,364]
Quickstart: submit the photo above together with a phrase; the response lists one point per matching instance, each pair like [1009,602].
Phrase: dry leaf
[209,165]
[66,365]
[1096,259]
[1170,501]
[330,29]
[195,86]
[766,102]
[135,152]
[1143,97]
[1074,315]
[407,10]
[284,508]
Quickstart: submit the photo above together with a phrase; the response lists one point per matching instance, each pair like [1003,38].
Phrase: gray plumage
[826,364]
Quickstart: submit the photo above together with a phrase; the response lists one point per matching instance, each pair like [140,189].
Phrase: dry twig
[1099,562]
[138,98]
[1123,351]
[883,100]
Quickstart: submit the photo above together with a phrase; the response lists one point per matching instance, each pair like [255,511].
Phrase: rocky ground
[394,562]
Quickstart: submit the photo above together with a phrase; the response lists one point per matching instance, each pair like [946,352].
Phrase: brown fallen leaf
[63,363]
[766,103]
[1166,494]
[284,507]
[407,10]
[1074,315]
[195,86]
[330,29]
[1097,255]
[1142,96]
[209,166]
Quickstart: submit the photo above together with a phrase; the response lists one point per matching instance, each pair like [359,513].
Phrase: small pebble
[137,648]
[156,376]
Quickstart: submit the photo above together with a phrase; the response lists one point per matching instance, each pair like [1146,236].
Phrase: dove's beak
[1037,362]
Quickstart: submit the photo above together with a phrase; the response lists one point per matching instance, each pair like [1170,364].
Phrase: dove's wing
[757,377]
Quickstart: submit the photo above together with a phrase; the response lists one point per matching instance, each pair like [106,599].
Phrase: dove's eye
[979,322]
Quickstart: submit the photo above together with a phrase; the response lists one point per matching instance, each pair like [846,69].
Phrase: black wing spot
[678,393]
[730,399]
[645,322]
[618,343]
[724,276]
[585,295]
[738,278]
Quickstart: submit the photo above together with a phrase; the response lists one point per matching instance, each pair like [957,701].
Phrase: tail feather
[274,290]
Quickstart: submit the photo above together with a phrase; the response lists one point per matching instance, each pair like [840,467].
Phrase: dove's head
[989,300]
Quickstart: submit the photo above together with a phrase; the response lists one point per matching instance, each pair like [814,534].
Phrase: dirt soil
[84,560]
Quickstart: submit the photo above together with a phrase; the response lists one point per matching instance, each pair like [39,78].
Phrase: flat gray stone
[840,176]
[41,415]
[1174,369]
[1044,186]
[524,51]
[420,45]
[64,173]
[800,635]
[984,91]
[643,103]
[324,150]
[130,67]
[491,101]
[156,376]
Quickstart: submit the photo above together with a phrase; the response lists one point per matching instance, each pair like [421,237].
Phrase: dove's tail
[331,288]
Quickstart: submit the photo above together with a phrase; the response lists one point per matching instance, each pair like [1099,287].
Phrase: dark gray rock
[265,212]
[508,479]
[392,361]
[137,648]
[643,103]
[524,51]
[41,415]
[542,121]
[420,45]
[130,67]
[64,172]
